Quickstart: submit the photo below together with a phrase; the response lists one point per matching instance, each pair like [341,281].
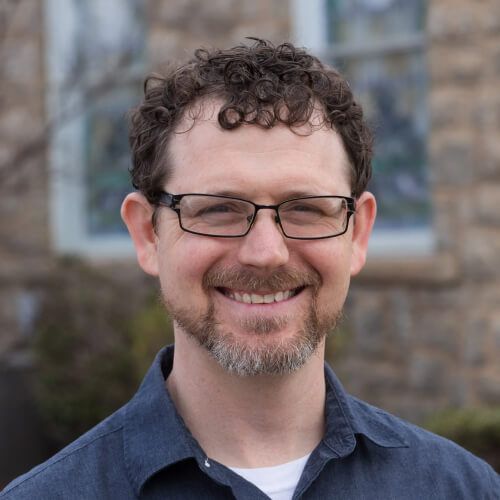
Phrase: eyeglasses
[307,218]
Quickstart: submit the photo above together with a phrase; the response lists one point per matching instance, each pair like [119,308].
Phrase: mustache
[236,277]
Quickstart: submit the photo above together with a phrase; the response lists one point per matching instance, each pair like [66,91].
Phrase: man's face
[204,279]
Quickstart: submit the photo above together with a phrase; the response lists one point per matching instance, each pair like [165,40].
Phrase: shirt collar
[155,435]
[347,418]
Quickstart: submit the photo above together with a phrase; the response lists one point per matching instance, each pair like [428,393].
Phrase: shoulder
[432,457]
[74,471]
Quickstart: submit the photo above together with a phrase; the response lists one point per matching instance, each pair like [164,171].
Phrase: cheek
[330,258]
[183,262]
[332,261]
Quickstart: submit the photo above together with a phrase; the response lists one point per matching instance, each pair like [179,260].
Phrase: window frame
[67,187]
[309,29]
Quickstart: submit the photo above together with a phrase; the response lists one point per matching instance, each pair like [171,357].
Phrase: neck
[255,421]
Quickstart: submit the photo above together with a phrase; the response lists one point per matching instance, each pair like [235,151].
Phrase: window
[380,46]
[95,56]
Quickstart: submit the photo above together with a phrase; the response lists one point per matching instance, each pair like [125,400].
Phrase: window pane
[108,159]
[378,45]
[357,21]
[392,90]
[110,56]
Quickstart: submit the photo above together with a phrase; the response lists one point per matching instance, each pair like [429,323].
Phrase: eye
[220,208]
[302,207]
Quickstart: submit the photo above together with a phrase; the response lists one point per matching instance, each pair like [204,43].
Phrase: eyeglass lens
[300,218]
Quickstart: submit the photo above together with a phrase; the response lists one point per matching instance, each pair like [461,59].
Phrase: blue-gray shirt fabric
[145,451]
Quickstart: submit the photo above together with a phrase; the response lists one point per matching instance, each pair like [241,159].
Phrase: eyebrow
[286,195]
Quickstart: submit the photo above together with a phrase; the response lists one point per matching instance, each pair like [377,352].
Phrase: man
[251,166]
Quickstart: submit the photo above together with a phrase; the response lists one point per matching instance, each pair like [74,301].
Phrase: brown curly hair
[258,84]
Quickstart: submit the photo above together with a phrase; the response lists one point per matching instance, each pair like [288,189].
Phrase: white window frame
[309,29]
[67,186]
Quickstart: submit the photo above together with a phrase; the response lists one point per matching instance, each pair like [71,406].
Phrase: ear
[364,218]
[137,214]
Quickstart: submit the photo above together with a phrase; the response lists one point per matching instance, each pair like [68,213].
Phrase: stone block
[428,375]
[453,158]
[450,106]
[495,61]
[19,126]
[457,395]
[205,28]
[488,389]
[438,330]
[367,313]
[402,322]
[475,339]
[446,216]
[250,11]
[484,114]
[381,381]
[164,47]
[22,17]
[481,254]
[495,331]
[21,62]
[486,206]
[462,23]
[490,17]
[172,14]
[490,158]
[266,29]
[459,65]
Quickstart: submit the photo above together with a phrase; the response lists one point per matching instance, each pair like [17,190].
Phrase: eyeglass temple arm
[168,200]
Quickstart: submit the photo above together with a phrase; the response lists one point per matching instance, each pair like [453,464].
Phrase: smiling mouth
[256,298]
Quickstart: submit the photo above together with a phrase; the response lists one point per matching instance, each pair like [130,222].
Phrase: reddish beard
[264,355]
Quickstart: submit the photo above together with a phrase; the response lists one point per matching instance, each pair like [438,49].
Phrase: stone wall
[24,222]
[426,332]
[420,334]
[175,28]
[180,26]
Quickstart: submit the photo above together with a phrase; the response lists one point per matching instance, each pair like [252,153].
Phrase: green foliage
[476,429]
[338,342]
[95,340]
[150,329]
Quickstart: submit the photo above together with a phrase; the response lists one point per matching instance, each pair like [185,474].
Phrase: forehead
[206,158]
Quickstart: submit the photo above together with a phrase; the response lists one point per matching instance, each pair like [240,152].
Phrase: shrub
[476,429]
[94,342]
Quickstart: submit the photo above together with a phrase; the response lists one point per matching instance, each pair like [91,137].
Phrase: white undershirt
[277,482]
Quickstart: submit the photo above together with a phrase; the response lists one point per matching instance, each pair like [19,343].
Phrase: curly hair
[259,84]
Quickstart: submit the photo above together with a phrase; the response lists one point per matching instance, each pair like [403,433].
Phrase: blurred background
[80,323]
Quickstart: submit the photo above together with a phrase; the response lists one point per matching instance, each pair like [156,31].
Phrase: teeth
[255,298]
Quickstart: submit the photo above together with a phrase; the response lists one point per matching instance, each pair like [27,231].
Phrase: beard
[264,355]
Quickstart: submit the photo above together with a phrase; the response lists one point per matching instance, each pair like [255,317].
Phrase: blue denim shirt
[145,451]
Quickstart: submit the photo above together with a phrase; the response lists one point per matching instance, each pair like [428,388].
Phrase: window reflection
[110,57]
[390,79]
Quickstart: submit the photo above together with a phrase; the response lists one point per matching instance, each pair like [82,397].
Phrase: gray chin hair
[264,356]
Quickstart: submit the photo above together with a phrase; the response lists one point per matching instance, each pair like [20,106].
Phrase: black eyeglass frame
[170,200]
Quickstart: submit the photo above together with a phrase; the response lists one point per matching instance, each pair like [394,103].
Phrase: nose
[264,246]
